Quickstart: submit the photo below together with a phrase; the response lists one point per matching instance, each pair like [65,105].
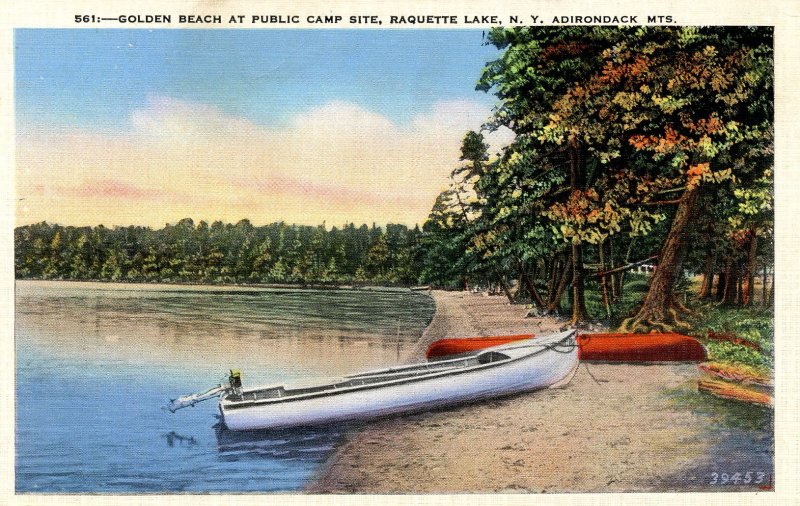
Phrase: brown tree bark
[577,182]
[660,308]
[764,286]
[749,275]
[553,278]
[579,315]
[721,282]
[729,292]
[708,276]
[771,299]
[621,282]
[614,277]
[552,306]
[520,288]
[502,281]
[530,286]
[605,281]
[739,284]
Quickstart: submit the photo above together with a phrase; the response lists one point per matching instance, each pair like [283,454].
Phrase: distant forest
[220,253]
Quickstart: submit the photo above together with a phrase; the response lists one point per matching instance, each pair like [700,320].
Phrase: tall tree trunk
[739,283]
[764,286]
[520,292]
[771,299]
[601,254]
[547,264]
[660,308]
[722,282]
[729,292]
[603,279]
[579,315]
[502,281]
[625,262]
[553,281]
[749,276]
[529,284]
[614,277]
[577,179]
[560,287]
[708,275]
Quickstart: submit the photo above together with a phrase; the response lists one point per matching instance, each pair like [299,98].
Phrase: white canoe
[507,369]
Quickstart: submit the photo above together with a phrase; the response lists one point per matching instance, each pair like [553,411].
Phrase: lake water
[96,362]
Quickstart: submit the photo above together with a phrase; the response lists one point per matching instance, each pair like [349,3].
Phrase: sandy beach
[613,428]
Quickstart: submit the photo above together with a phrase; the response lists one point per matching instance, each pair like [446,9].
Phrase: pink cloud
[286,185]
[114,189]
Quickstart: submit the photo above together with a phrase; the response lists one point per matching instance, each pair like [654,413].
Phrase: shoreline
[212,287]
[613,428]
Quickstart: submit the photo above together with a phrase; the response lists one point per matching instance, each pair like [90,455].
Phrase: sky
[145,127]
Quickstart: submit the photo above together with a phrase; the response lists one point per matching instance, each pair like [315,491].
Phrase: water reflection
[306,444]
[174,438]
[115,353]
[341,331]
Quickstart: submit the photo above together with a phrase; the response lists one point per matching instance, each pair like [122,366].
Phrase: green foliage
[754,325]
[219,253]
[636,284]
[633,293]
[737,354]
[473,149]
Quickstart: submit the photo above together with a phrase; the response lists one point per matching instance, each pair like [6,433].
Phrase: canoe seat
[492,356]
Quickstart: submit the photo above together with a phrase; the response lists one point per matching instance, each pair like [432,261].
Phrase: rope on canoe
[567,348]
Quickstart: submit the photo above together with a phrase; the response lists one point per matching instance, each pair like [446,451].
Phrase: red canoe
[457,346]
[599,347]
[640,348]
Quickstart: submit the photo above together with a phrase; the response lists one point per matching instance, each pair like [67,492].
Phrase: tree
[633,115]
[377,256]
[536,69]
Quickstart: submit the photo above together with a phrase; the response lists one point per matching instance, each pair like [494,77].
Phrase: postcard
[318,250]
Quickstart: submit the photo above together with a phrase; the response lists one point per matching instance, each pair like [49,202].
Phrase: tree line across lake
[632,145]
[220,253]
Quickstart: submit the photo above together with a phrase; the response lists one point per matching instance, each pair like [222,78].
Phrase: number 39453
[746,478]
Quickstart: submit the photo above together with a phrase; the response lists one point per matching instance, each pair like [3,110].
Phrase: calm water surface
[95,363]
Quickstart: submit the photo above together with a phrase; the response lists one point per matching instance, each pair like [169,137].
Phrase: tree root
[677,322]
[646,322]
[645,326]
[680,307]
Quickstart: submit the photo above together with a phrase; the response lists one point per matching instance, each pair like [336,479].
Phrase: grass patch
[741,415]
[737,354]
[751,324]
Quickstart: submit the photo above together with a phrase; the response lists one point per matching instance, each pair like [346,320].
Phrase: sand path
[613,428]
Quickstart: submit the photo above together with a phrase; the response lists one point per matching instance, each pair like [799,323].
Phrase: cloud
[114,189]
[338,162]
[341,116]
[169,118]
